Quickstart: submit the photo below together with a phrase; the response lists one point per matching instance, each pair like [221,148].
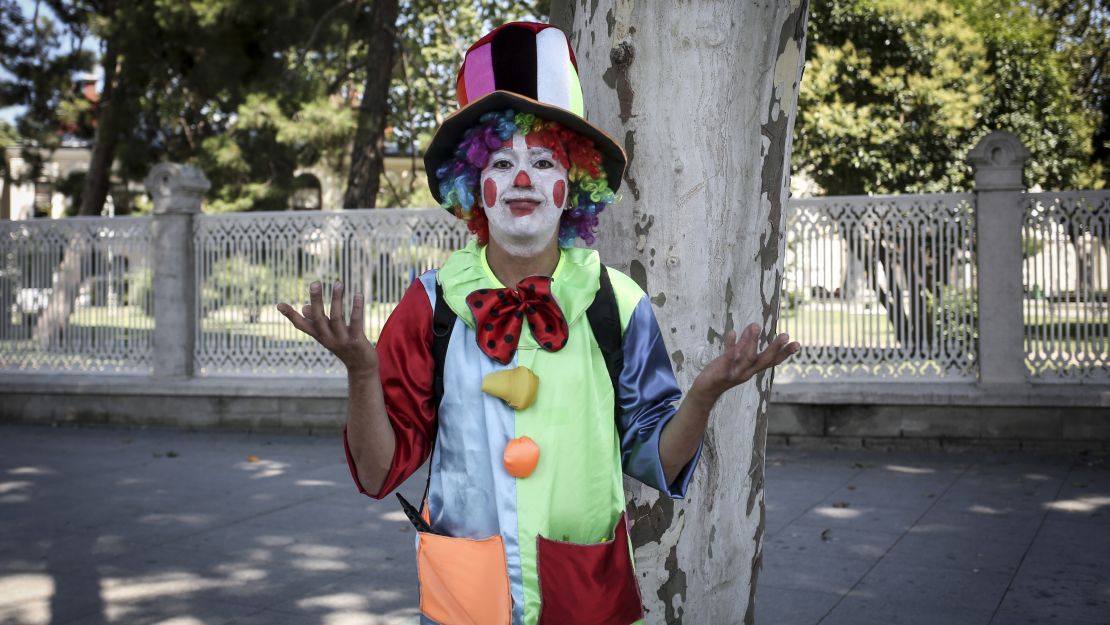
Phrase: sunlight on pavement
[897,468]
[314,483]
[12,487]
[1080,504]
[336,601]
[981,509]
[31,471]
[173,584]
[837,513]
[25,613]
[20,588]
[263,468]
[165,518]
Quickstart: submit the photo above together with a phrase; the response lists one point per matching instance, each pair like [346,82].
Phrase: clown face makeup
[524,192]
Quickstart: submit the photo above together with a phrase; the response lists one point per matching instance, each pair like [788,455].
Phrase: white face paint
[524,191]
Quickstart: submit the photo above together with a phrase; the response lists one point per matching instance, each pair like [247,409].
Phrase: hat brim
[450,133]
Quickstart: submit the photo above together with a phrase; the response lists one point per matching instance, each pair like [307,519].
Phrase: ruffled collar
[573,284]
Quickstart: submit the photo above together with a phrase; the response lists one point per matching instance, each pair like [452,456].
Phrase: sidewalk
[141,527]
[929,538]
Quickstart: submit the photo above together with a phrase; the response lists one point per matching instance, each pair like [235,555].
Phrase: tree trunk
[703,96]
[98,179]
[51,325]
[368,156]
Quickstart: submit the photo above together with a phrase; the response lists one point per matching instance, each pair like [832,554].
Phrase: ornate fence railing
[75,295]
[246,262]
[879,287]
[1065,240]
[875,288]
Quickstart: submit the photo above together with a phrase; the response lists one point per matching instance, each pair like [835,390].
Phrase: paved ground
[141,527]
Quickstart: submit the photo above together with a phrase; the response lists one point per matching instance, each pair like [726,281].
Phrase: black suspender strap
[605,321]
[443,320]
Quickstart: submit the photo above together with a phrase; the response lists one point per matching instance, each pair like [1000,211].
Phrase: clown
[532,375]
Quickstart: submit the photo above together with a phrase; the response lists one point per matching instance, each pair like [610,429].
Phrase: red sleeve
[407,369]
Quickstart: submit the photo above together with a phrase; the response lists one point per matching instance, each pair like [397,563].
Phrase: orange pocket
[463,581]
[588,584]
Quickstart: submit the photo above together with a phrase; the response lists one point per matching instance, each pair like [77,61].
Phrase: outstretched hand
[347,341]
[739,361]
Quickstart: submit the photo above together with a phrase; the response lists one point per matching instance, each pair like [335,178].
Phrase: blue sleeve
[647,398]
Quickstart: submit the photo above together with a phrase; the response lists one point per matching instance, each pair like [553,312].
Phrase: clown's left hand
[739,361]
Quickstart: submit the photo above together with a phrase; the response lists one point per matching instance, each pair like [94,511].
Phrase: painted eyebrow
[533,151]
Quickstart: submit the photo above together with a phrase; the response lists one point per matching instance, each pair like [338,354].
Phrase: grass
[232,320]
[815,328]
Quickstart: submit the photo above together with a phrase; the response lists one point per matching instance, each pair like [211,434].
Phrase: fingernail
[337,284]
[314,287]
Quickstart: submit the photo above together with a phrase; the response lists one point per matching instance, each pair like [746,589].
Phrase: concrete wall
[939,415]
[890,416]
[240,404]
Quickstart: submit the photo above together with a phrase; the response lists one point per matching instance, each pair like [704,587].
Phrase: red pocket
[588,584]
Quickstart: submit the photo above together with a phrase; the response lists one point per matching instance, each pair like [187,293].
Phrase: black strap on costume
[443,320]
[605,322]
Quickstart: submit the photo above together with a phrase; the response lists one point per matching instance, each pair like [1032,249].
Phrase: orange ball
[521,457]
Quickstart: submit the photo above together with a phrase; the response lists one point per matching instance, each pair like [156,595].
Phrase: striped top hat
[528,67]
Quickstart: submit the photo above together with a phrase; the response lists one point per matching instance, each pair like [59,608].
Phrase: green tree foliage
[227,89]
[1082,36]
[39,57]
[8,136]
[251,91]
[434,36]
[1031,92]
[896,93]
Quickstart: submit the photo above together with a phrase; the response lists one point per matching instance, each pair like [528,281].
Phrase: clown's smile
[521,208]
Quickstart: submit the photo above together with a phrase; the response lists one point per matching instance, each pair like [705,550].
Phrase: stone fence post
[998,161]
[177,191]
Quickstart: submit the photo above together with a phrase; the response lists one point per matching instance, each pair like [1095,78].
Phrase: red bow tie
[499,315]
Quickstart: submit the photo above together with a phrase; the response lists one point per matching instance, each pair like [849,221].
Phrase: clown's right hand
[347,341]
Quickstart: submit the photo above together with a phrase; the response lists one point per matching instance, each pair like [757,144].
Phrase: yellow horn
[516,386]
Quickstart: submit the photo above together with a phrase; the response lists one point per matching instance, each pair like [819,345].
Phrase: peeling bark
[704,95]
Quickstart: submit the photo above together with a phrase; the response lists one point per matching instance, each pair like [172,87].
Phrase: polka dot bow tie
[499,316]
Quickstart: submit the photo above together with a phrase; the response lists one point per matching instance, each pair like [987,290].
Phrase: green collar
[574,282]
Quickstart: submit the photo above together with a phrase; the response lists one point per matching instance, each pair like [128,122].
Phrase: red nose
[522,180]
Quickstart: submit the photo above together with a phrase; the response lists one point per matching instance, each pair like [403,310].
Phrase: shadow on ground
[114,526]
[109,526]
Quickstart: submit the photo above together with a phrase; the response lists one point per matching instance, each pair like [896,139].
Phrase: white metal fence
[1065,241]
[75,294]
[880,287]
[874,287]
[247,262]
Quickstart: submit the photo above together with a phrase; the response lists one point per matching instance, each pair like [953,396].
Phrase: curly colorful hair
[589,194]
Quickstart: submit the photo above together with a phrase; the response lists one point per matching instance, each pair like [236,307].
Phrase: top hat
[530,68]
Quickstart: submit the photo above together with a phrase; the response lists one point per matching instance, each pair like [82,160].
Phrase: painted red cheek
[522,180]
[559,192]
[489,192]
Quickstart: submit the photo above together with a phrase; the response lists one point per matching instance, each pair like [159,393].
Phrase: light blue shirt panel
[471,495]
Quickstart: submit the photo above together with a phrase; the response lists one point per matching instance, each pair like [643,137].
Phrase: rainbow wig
[589,191]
